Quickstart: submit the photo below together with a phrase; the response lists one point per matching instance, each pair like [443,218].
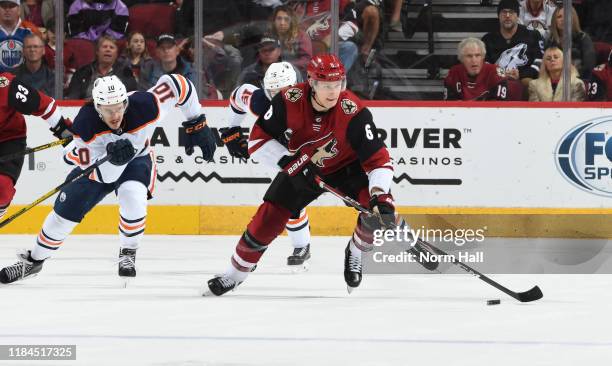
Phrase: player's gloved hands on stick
[63,129]
[301,171]
[236,142]
[199,134]
[384,207]
[121,152]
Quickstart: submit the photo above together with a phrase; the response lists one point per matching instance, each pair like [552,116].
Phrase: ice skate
[127,262]
[297,261]
[220,285]
[352,269]
[25,268]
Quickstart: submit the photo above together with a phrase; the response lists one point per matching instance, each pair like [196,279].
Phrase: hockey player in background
[121,126]
[473,78]
[249,98]
[17,99]
[600,86]
[315,128]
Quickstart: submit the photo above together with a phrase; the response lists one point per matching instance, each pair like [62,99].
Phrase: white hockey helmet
[278,76]
[108,90]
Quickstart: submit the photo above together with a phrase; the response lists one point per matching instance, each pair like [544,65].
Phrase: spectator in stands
[537,15]
[548,87]
[395,24]
[269,52]
[34,70]
[296,46]
[473,78]
[90,19]
[38,12]
[13,30]
[367,16]
[169,62]
[597,19]
[135,54]
[600,85]
[513,47]
[583,50]
[105,64]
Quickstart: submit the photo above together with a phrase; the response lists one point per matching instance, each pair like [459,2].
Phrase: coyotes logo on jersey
[293,94]
[348,106]
[325,152]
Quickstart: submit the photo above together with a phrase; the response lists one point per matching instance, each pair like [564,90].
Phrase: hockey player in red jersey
[17,99]
[600,86]
[473,78]
[315,128]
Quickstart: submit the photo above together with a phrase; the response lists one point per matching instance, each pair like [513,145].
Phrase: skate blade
[298,268]
[350,289]
[125,281]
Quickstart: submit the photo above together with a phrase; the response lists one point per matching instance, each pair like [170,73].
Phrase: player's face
[327,92]
[553,60]
[112,114]
[273,92]
[473,59]
[508,19]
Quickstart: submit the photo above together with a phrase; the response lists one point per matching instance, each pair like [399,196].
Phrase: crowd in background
[140,40]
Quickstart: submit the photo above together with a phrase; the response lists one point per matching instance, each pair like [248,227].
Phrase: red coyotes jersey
[17,99]
[600,87]
[334,139]
[488,84]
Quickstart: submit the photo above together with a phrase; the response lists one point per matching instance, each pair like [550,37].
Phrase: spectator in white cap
[12,33]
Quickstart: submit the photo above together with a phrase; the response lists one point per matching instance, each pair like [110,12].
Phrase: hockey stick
[29,150]
[531,295]
[85,172]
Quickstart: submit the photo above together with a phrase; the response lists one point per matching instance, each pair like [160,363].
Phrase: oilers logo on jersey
[11,53]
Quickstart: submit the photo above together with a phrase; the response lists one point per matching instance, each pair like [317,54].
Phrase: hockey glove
[236,142]
[62,130]
[383,206]
[301,171]
[199,134]
[121,152]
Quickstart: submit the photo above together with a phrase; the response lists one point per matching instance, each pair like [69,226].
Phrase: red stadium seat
[602,50]
[78,52]
[152,19]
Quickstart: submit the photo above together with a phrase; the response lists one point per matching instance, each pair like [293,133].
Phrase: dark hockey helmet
[326,67]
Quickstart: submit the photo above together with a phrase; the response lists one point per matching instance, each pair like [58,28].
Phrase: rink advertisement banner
[443,157]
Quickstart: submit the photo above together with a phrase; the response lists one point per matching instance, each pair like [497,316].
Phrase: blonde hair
[555,32]
[544,74]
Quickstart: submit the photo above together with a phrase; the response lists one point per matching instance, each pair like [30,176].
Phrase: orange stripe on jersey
[70,156]
[183,90]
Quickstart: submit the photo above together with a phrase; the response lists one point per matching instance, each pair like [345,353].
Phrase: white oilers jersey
[541,21]
[145,109]
[245,99]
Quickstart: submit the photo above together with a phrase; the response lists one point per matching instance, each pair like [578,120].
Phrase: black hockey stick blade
[532,295]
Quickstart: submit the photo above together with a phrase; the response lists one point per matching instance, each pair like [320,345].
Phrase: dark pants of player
[10,171]
[78,198]
[282,200]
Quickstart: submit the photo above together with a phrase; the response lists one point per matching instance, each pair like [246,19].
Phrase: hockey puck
[493,302]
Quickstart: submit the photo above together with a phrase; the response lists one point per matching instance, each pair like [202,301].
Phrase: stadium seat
[602,50]
[78,52]
[152,19]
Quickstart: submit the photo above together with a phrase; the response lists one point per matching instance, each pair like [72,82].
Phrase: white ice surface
[278,318]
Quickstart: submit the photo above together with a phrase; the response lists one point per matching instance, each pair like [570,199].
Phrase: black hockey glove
[121,152]
[62,130]
[199,134]
[236,142]
[383,206]
[301,171]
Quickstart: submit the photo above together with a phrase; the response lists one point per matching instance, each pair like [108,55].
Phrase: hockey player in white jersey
[246,99]
[120,126]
